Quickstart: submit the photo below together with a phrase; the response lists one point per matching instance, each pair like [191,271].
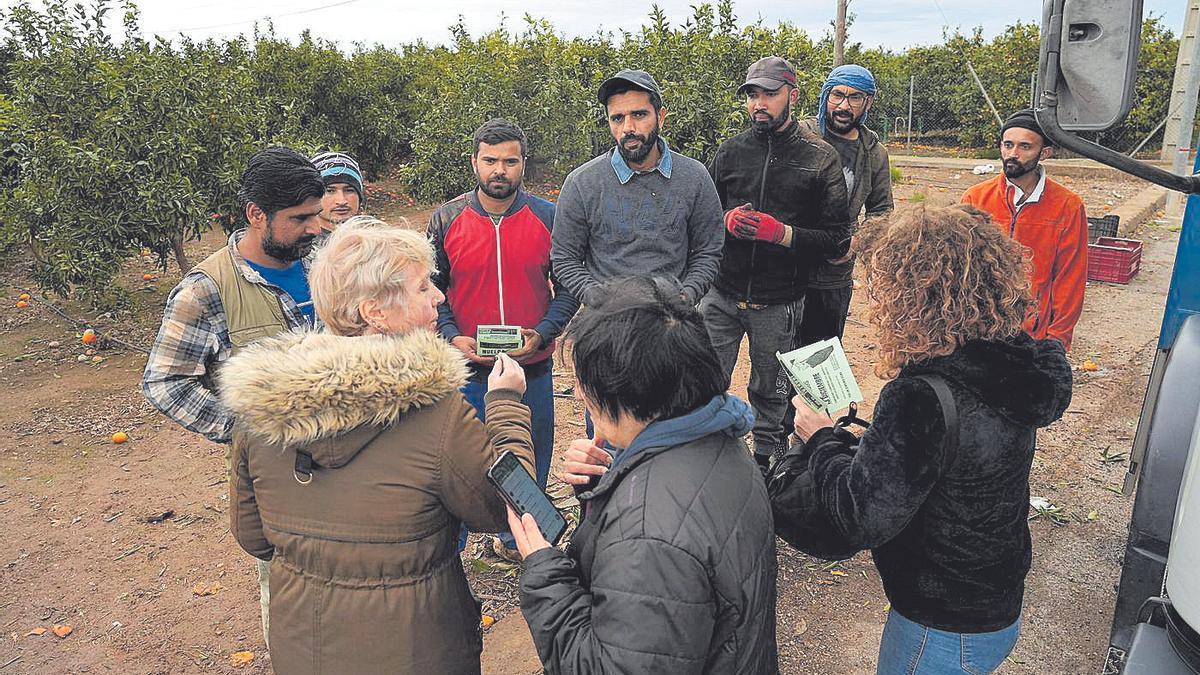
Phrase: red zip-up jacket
[498,273]
[1055,229]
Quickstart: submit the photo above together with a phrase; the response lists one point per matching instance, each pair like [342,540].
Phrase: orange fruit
[1089,366]
[487,620]
[23,296]
[120,437]
[147,277]
[89,337]
[21,304]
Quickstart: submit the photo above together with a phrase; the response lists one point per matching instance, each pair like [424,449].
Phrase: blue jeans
[908,648]
[539,396]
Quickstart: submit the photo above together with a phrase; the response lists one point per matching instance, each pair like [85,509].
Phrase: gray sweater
[652,226]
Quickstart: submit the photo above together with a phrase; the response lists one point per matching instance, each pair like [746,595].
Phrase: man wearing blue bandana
[785,206]
[343,188]
[846,99]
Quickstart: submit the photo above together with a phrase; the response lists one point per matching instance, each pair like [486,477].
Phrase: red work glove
[731,216]
[758,225]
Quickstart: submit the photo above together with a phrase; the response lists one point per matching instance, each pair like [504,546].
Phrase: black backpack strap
[949,415]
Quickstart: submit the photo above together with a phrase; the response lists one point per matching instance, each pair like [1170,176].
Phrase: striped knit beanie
[338,167]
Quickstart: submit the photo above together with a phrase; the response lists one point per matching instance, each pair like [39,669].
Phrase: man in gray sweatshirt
[640,208]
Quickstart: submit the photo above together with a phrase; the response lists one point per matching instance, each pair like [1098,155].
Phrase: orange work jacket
[1054,228]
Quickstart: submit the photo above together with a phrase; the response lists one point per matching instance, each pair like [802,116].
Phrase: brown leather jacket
[365,572]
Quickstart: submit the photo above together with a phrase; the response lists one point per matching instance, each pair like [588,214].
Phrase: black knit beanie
[1025,119]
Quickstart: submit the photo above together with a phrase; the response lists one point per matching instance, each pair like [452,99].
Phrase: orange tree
[117,147]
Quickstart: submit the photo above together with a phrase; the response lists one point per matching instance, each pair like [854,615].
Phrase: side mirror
[1089,59]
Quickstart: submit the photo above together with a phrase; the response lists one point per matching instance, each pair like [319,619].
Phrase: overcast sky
[891,23]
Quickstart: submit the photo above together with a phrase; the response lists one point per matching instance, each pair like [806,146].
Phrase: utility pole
[1177,139]
[1179,91]
[839,34]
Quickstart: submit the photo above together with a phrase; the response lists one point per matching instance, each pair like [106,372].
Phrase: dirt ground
[120,541]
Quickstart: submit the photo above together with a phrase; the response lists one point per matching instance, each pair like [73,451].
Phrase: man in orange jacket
[1044,216]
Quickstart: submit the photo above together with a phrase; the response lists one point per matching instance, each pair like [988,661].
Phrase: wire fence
[952,117]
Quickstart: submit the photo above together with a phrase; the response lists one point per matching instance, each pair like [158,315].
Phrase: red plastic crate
[1114,259]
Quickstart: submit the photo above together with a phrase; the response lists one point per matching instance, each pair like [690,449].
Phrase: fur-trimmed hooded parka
[365,571]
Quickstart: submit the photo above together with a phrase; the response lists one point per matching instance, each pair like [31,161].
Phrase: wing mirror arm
[1047,117]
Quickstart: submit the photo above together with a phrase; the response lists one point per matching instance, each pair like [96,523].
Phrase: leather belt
[751,305]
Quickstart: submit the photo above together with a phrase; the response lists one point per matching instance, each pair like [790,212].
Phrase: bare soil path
[113,540]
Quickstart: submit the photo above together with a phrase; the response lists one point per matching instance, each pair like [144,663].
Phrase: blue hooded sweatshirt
[723,414]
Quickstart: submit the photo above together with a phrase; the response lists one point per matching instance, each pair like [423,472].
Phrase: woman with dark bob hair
[672,569]
[944,514]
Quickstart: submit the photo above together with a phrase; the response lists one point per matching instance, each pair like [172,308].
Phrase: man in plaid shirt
[281,196]
[254,287]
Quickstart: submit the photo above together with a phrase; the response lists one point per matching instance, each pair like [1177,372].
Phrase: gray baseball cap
[770,73]
[638,79]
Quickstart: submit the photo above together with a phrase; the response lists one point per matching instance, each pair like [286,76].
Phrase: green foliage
[896,174]
[948,108]
[115,148]
[115,145]
[537,80]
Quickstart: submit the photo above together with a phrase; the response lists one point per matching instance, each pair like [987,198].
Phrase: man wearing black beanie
[1047,218]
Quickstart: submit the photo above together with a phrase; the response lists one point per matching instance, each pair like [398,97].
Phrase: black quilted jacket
[672,570]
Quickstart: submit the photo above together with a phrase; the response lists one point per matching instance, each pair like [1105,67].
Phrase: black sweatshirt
[949,532]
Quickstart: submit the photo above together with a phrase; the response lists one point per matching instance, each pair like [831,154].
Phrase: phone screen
[524,495]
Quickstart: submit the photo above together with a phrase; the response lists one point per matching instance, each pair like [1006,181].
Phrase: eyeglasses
[856,100]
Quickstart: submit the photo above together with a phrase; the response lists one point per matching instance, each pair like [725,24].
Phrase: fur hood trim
[298,387]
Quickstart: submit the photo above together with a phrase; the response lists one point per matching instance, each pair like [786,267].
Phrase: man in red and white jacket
[493,263]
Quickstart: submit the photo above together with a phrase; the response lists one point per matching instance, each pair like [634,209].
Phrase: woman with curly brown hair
[940,494]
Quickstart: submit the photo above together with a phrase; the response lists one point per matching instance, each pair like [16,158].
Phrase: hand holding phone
[525,497]
[525,533]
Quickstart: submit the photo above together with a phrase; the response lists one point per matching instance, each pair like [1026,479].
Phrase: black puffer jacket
[949,534]
[672,570]
[796,177]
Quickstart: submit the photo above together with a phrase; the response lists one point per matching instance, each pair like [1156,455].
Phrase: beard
[772,123]
[841,121]
[287,253]
[1015,169]
[497,188]
[646,144]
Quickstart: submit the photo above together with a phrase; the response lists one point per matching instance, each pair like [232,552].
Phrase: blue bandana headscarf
[849,75]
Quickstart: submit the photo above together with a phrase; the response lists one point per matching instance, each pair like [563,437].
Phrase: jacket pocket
[243,337]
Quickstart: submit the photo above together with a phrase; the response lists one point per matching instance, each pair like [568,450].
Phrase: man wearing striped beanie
[343,187]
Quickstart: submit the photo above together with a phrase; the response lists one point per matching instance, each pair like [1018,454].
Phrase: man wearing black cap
[343,187]
[1047,218]
[786,210]
[638,209]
